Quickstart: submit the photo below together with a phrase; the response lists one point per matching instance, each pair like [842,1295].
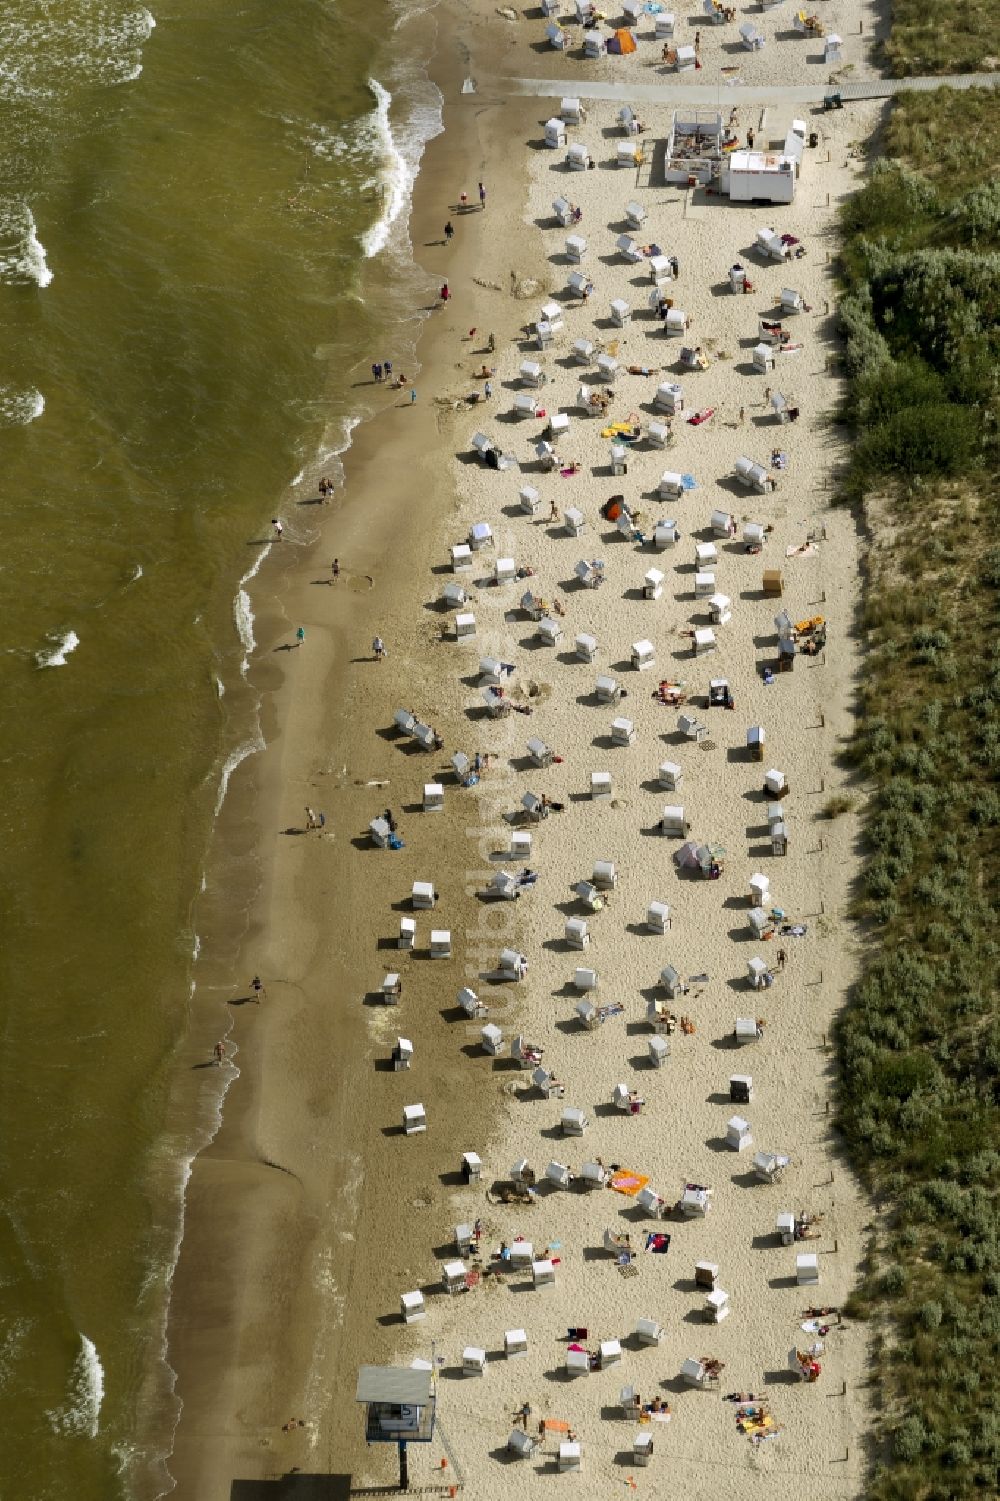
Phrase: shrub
[977,215]
[930,1314]
[910,1439]
[892,1281]
[985,809]
[841,802]
[942,440]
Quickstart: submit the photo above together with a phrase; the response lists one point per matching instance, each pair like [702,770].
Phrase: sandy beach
[313,1213]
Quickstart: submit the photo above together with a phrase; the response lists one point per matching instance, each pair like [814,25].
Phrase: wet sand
[277,1278]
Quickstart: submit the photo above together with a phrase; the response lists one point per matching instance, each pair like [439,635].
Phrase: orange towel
[628,1183]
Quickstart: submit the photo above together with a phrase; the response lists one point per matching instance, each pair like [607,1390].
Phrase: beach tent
[771,245]
[622,43]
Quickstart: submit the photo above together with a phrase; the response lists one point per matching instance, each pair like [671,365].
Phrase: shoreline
[247,1290]
[238,1198]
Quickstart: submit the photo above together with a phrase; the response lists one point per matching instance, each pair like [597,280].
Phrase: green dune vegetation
[961,36]
[919,1044]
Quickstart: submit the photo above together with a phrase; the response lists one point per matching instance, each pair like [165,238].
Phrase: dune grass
[959,36]
[919,1044]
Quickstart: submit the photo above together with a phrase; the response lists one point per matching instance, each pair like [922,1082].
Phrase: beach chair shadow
[783,1282]
[718,1144]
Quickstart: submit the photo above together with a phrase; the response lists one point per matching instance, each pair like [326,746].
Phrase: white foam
[196,948]
[35,259]
[56,656]
[243,610]
[18,408]
[406,12]
[399,160]
[22,254]
[12,1343]
[233,760]
[81,1411]
[244,617]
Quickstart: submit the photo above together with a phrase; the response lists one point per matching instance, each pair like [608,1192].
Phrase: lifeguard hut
[400,1406]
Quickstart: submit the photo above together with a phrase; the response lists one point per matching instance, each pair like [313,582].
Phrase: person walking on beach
[277,528]
[378,649]
[413,394]
[335,570]
[488,389]
[219,1053]
[387,369]
[300,635]
[750,138]
[445,293]
[449,231]
[482,196]
[257,986]
[310,819]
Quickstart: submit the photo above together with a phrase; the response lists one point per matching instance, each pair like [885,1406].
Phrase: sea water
[203,248]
